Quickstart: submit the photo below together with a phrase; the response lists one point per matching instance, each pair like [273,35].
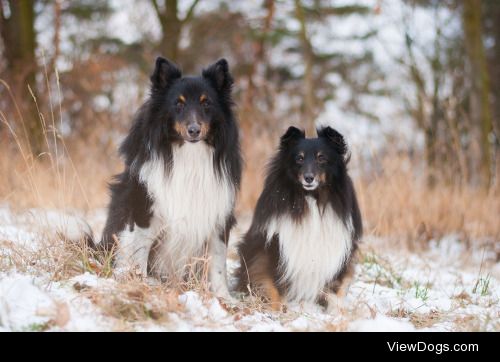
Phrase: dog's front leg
[133,251]
[217,271]
[338,291]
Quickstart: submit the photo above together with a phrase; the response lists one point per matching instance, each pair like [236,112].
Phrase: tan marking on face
[322,177]
[181,129]
[203,98]
[182,99]
[204,130]
[262,280]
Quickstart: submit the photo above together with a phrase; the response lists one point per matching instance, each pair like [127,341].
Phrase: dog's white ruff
[312,250]
[190,207]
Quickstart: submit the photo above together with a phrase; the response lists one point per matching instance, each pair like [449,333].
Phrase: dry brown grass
[419,320]
[398,203]
[125,300]
[134,301]
[53,257]
[80,183]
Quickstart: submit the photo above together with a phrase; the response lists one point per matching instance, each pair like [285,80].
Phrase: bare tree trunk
[496,69]
[259,58]
[427,124]
[19,37]
[493,9]
[171,26]
[480,92]
[308,54]
[432,129]
[451,117]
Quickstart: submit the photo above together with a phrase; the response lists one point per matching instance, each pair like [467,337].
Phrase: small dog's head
[192,106]
[315,162]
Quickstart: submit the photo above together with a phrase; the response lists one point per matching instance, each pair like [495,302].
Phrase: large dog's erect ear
[334,138]
[164,74]
[218,74]
[292,134]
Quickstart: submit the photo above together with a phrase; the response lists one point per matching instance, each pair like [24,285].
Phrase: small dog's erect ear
[292,134]
[218,74]
[165,72]
[335,139]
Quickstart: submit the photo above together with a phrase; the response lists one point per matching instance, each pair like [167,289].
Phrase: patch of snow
[54,223]
[23,305]
[215,310]
[381,323]
[91,280]
[194,305]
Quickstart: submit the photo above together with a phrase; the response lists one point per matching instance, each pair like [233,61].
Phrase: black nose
[309,177]
[194,130]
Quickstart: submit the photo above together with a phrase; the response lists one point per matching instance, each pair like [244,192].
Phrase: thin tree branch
[155,5]
[190,12]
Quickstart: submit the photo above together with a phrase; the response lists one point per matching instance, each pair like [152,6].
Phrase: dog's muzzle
[309,182]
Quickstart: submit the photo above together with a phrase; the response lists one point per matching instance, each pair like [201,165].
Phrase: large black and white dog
[182,173]
[306,224]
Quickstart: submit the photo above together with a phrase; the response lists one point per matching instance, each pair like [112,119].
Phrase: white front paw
[223,293]
[127,272]
[335,304]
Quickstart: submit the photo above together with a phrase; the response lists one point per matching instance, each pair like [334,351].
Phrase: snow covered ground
[44,286]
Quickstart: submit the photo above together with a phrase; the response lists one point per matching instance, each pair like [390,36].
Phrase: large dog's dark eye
[179,105]
[321,158]
[205,104]
[299,159]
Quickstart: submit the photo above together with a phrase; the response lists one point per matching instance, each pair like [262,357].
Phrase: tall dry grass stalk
[54,178]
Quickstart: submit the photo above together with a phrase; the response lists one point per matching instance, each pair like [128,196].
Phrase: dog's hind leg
[133,250]
[259,273]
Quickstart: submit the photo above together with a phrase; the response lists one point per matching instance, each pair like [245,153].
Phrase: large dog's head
[193,107]
[314,163]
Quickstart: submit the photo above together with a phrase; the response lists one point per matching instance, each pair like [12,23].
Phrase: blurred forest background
[414,85]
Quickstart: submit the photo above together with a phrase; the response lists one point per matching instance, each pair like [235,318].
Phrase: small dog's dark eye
[299,159]
[205,103]
[179,104]
[321,159]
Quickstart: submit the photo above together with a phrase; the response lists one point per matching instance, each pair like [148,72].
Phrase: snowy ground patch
[446,287]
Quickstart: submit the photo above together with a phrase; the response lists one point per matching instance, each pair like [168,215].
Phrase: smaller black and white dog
[175,198]
[306,224]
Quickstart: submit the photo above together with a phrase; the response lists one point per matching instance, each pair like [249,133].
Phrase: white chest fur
[190,203]
[312,250]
